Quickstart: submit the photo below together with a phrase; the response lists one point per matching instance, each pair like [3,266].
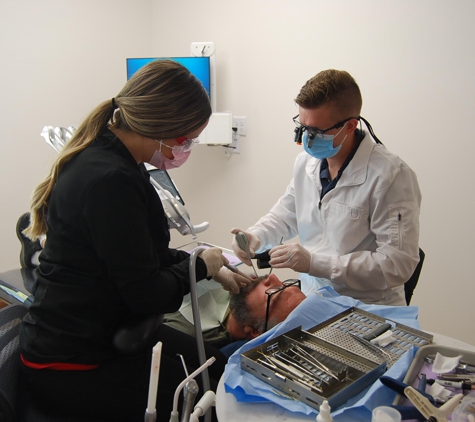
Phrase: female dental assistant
[106,260]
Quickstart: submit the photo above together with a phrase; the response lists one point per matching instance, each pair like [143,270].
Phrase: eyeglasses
[187,144]
[276,289]
[314,131]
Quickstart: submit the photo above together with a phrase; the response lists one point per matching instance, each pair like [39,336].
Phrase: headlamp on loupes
[313,131]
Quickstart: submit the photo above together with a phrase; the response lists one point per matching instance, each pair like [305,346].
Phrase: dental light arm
[176,213]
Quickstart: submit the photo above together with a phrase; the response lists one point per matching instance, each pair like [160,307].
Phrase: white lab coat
[364,236]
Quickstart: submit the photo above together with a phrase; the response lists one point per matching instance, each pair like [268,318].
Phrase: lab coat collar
[356,171]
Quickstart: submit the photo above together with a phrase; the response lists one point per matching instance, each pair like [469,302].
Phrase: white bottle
[324,414]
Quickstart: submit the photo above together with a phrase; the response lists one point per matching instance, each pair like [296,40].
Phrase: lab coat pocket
[348,222]
[398,225]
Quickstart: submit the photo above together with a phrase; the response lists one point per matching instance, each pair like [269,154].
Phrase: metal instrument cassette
[344,329]
[330,361]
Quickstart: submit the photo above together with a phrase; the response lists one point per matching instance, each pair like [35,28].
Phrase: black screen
[162,177]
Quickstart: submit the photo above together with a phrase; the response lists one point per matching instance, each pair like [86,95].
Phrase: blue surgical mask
[322,145]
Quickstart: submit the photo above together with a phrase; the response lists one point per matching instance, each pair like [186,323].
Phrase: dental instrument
[280,243]
[174,414]
[236,271]
[190,391]
[243,243]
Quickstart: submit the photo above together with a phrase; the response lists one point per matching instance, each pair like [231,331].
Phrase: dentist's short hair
[332,87]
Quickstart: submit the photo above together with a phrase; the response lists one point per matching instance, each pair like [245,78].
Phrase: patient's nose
[272,280]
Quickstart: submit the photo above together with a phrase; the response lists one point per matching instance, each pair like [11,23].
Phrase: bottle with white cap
[324,412]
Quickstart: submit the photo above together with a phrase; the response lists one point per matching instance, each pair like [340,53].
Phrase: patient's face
[281,304]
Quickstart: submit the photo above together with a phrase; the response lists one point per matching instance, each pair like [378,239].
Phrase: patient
[245,317]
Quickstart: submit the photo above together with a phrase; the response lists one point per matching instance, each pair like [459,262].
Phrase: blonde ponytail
[94,124]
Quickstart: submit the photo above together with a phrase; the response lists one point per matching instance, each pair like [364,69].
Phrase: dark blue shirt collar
[325,179]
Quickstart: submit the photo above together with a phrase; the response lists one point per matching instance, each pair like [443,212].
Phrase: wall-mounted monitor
[198,66]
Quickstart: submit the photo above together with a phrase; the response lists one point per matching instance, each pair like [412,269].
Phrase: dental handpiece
[190,391]
[243,243]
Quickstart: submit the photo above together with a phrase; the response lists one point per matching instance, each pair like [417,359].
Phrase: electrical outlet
[235,144]
[240,123]
[232,148]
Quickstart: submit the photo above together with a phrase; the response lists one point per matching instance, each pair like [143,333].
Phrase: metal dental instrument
[288,360]
[280,243]
[243,243]
[307,356]
[370,345]
[236,271]
[190,390]
[290,376]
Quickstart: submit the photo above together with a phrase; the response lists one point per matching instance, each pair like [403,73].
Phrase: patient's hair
[162,100]
[239,308]
[332,87]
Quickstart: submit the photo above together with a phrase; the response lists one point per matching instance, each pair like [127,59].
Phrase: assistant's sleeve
[117,212]
[394,220]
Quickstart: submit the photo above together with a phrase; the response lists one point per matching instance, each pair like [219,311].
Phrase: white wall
[412,59]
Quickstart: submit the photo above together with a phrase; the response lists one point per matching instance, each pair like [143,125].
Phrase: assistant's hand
[253,242]
[214,260]
[230,281]
[291,255]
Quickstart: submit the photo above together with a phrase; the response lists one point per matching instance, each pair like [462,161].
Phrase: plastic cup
[464,412]
[385,414]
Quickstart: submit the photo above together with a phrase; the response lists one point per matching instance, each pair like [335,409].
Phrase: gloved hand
[291,255]
[254,244]
[214,260]
[230,281]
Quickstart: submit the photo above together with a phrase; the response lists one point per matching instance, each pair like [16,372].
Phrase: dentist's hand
[214,260]
[230,281]
[290,255]
[253,242]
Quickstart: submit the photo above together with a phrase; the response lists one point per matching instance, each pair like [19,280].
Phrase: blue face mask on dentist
[321,145]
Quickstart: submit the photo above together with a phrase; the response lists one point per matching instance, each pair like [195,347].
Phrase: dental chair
[410,285]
